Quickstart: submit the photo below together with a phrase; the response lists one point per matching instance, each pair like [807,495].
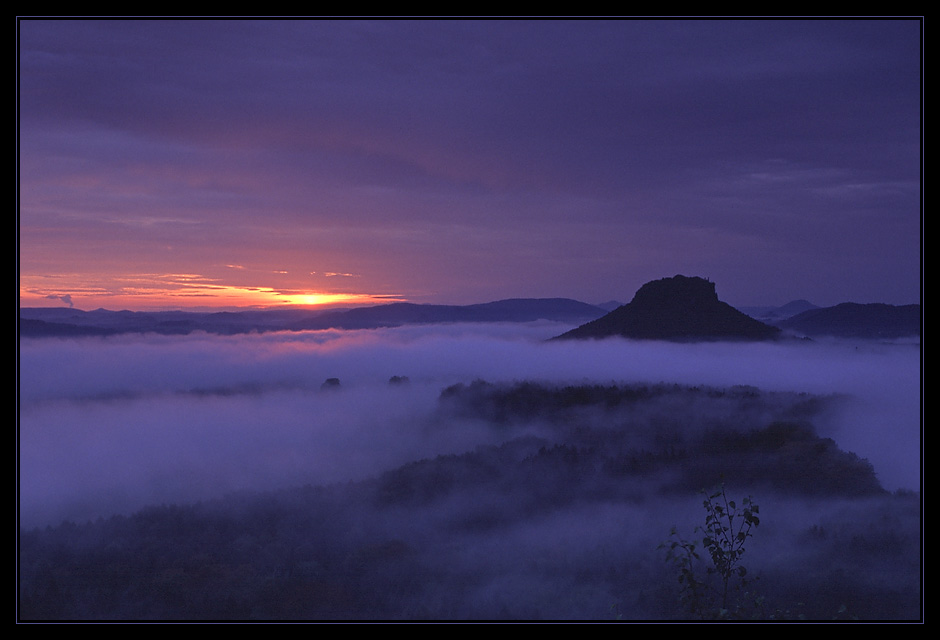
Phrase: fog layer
[110,425]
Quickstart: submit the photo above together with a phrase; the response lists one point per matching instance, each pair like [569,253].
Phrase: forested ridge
[560,521]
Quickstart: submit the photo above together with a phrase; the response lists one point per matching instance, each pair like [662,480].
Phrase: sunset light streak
[175,291]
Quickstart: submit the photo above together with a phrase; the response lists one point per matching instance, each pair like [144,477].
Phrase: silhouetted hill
[53,322]
[678,308]
[42,322]
[773,315]
[402,313]
[610,305]
[851,320]
[42,329]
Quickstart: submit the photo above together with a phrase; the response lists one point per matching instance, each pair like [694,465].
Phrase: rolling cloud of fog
[109,425]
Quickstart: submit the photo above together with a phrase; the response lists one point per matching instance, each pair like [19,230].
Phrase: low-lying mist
[413,490]
[113,424]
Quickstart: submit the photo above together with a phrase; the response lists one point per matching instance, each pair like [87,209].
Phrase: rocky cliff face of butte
[680,308]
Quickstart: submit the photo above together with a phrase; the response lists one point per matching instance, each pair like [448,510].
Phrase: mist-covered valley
[459,471]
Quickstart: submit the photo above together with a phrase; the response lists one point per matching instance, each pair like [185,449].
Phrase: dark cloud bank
[505,499]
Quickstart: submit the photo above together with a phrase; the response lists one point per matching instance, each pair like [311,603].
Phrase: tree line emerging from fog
[559,521]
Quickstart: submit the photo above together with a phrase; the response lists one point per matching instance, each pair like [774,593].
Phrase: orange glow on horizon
[174,291]
[316,299]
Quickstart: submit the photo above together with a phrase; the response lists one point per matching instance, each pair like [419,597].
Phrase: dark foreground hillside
[560,521]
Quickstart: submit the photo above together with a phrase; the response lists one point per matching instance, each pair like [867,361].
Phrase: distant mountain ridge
[853,320]
[65,322]
[773,315]
[666,319]
[401,313]
[680,308]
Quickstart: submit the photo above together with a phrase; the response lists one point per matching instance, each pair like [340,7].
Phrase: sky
[235,163]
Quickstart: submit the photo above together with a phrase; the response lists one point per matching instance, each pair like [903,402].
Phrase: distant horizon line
[394,300]
[313,307]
